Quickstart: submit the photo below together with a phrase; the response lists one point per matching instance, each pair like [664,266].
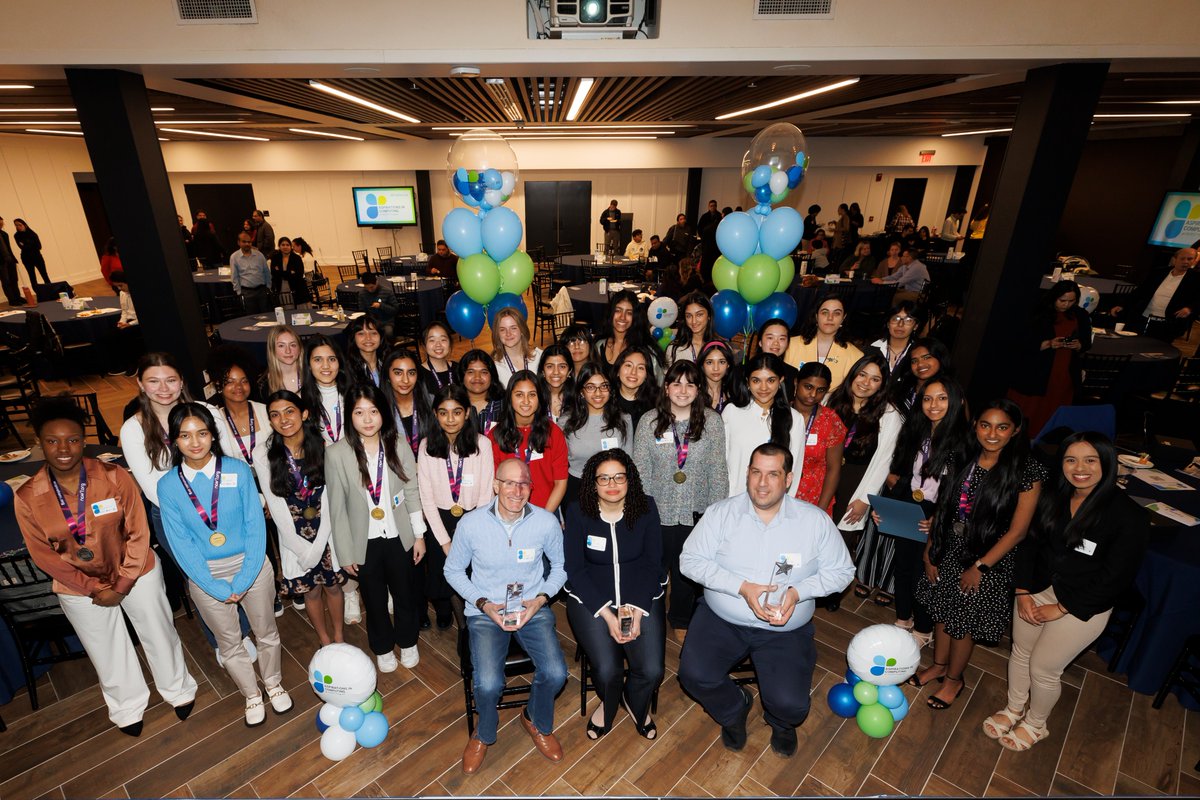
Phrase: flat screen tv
[385,206]
[1178,222]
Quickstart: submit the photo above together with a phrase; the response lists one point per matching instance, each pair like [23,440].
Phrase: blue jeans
[489,646]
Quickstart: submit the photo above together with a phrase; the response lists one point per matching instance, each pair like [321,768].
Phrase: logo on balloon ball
[320,681]
[880,662]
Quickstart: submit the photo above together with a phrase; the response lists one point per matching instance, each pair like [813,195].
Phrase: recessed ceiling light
[362,101]
[782,67]
[1175,102]
[327,133]
[15,86]
[976,133]
[577,134]
[560,138]
[360,69]
[61,133]
[582,89]
[218,135]
[802,96]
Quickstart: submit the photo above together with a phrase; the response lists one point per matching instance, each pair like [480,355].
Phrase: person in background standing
[250,275]
[841,234]
[128,339]
[110,261]
[185,236]
[264,234]
[856,223]
[902,219]
[610,221]
[681,237]
[811,225]
[1166,302]
[287,265]
[949,237]
[305,251]
[8,269]
[709,251]
[205,245]
[31,251]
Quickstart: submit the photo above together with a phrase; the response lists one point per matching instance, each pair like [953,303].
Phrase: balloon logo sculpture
[755,268]
[344,677]
[880,658]
[662,314]
[493,273]
[1089,298]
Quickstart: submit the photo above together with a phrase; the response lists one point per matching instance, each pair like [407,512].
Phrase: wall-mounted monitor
[385,206]
[1178,222]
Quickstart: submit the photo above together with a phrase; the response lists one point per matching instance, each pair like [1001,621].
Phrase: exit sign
[927,156]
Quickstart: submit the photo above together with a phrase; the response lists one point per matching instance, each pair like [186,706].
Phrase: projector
[594,19]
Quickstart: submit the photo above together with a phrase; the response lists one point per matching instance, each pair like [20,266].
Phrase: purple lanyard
[811,419]
[376,489]
[414,438]
[210,519]
[301,480]
[528,447]
[681,448]
[76,523]
[434,373]
[455,478]
[337,411]
[238,436]
[721,401]
[487,417]
[964,502]
[512,369]
[850,434]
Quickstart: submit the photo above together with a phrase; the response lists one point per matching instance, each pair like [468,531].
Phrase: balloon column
[352,713]
[662,313]
[880,658]
[755,268]
[493,273]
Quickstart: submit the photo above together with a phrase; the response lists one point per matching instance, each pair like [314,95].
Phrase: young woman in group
[693,328]
[305,252]
[556,377]
[623,579]
[378,529]
[932,446]
[902,323]
[234,373]
[525,431]
[578,342]
[291,473]
[363,351]
[621,329]
[595,423]
[214,521]
[823,339]
[722,380]
[455,473]
[1084,549]
[438,369]
[477,372]
[824,438]
[406,398]
[285,362]
[984,515]
[511,348]
[927,359]
[326,382]
[637,382]
[679,448]
[767,417]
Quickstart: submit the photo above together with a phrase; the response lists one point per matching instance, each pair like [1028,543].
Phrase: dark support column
[122,142]
[1043,151]
[692,203]
[429,226]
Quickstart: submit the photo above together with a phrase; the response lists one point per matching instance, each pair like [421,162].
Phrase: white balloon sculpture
[352,714]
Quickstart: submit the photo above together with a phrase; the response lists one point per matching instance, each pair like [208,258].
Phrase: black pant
[432,586]
[908,566]
[34,267]
[645,654]
[684,590]
[388,569]
[8,280]
[783,660]
[256,299]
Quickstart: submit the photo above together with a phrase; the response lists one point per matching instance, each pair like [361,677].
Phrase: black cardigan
[1033,376]
[636,555]
[1087,585]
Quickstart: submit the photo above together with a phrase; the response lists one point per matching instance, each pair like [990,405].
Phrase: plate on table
[1125,333]
[1134,462]
[15,455]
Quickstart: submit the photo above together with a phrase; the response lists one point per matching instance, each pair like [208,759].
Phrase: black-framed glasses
[620,479]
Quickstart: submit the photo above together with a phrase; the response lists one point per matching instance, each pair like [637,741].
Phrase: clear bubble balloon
[775,149]
[482,169]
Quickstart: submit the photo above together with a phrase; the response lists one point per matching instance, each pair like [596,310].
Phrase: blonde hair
[274,372]
[522,326]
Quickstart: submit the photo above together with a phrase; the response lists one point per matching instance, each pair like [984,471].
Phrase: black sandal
[915,681]
[883,599]
[647,731]
[861,590]
[938,704]
[594,731]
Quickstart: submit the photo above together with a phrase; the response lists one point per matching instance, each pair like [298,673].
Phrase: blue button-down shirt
[249,271]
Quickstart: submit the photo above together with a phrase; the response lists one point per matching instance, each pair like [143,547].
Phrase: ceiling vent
[216,12]
[793,9]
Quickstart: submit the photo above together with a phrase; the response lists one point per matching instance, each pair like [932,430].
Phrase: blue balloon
[800,158]
[321,726]
[461,184]
[762,194]
[729,313]
[6,494]
[373,731]
[492,178]
[900,711]
[763,208]
[656,333]
[502,301]
[465,316]
[891,696]
[851,678]
[781,231]
[779,305]
[351,718]
[501,233]
[761,176]
[795,173]
[841,700]
[737,236]
[463,231]
[471,201]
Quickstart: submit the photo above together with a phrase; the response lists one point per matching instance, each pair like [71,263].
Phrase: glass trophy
[513,607]
[781,572]
[625,618]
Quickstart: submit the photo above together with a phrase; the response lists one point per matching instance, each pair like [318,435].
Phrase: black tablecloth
[70,327]
[1101,285]
[591,306]
[210,285]
[572,267]
[431,298]
[255,339]
[867,296]
[1151,368]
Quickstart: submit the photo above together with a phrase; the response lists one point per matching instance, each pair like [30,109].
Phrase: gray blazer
[347,506]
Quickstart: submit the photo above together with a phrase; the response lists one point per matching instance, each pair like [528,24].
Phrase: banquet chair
[283,299]
[318,290]
[45,292]
[406,328]
[543,310]
[516,663]
[360,257]
[1186,385]
[1100,375]
[229,306]
[18,399]
[1119,296]
[1185,673]
[349,272]
[383,252]
[1119,630]
[94,426]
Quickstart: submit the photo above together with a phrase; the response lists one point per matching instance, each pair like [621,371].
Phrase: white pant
[105,638]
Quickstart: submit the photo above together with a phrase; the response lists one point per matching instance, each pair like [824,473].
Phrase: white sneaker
[256,711]
[387,662]
[409,657]
[353,610]
[251,650]
[281,701]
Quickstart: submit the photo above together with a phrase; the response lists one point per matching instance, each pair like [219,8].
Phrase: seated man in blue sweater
[910,278]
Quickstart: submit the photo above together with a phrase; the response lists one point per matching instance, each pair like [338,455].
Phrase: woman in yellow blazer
[823,339]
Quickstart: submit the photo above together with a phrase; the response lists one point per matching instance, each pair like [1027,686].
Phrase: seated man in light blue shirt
[504,543]
[251,275]
[910,278]
[763,559]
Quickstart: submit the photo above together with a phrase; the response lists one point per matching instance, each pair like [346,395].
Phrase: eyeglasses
[595,388]
[620,479]
[902,320]
[518,485]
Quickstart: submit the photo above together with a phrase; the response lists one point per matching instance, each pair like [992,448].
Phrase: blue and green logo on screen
[1187,214]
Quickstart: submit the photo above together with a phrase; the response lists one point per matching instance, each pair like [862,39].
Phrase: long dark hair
[636,502]
[733,386]
[1046,310]
[638,334]
[948,443]
[311,392]
[357,364]
[158,451]
[313,468]
[580,411]
[388,439]
[437,443]
[175,420]
[865,423]
[1053,517]
[647,393]
[693,373]
[507,435]
[221,361]
[568,387]
[495,391]
[808,331]
[781,412]
[683,334]
[421,407]
[904,382]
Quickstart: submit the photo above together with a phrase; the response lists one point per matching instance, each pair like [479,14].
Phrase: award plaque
[513,607]
[625,617]
[781,571]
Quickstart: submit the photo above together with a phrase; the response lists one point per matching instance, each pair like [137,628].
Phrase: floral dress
[825,430]
[306,516]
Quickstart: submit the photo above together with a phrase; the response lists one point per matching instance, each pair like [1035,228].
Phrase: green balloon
[516,273]
[787,273]
[479,277]
[757,278]
[664,341]
[874,720]
[749,176]
[779,197]
[377,702]
[866,693]
[725,274]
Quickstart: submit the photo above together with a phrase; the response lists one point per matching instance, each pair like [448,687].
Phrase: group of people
[29,249]
[723,495]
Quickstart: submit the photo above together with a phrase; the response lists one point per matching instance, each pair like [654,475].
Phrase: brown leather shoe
[473,756]
[546,744]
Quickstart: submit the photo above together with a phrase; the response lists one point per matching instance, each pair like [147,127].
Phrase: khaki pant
[1041,653]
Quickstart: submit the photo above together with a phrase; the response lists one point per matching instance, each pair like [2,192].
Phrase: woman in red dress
[1055,339]
[824,437]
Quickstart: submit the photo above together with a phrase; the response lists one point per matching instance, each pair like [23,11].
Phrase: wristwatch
[544,595]
[983,568]
[481,602]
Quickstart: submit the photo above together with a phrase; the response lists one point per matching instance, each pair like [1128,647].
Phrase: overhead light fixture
[199,121]
[582,89]
[559,138]
[794,98]
[35,122]
[326,133]
[61,133]
[628,126]
[576,135]
[976,133]
[362,101]
[1175,102]
[161,139]
[15,86]
[1138,116]
[217,135]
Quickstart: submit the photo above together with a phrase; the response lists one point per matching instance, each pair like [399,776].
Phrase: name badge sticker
[597,543]
[468,480]
[609,443]
[397,500]
[1087,547]
[811,441]
[528,554]
[666,438]
[535,456]
[102,507]
[229,480]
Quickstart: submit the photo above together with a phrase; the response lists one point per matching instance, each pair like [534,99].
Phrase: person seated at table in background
[442,262]
[250,274]
[681,237]
[85,526]
[680,279]
[860,262]
[1049,355]
[910,279]
[1165,303]
[636,250]
[818,257]
[1083,552]
[287,265]
[379,303]
[659,252]
[823,339]
[127,341]
[890,262]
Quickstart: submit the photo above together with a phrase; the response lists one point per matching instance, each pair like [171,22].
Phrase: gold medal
[918,495]
[456,510]
[377,513]
[680,476]
[217,539]
[310,513]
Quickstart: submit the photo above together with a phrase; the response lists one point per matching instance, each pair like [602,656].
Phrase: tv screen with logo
[385,206]
[1178,222]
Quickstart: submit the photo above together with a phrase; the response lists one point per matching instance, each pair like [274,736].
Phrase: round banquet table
[591,306]
[71,328]
[246,332]
[210,285]
[1101,285]
[431,297]
[1151,368]
[572,267]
